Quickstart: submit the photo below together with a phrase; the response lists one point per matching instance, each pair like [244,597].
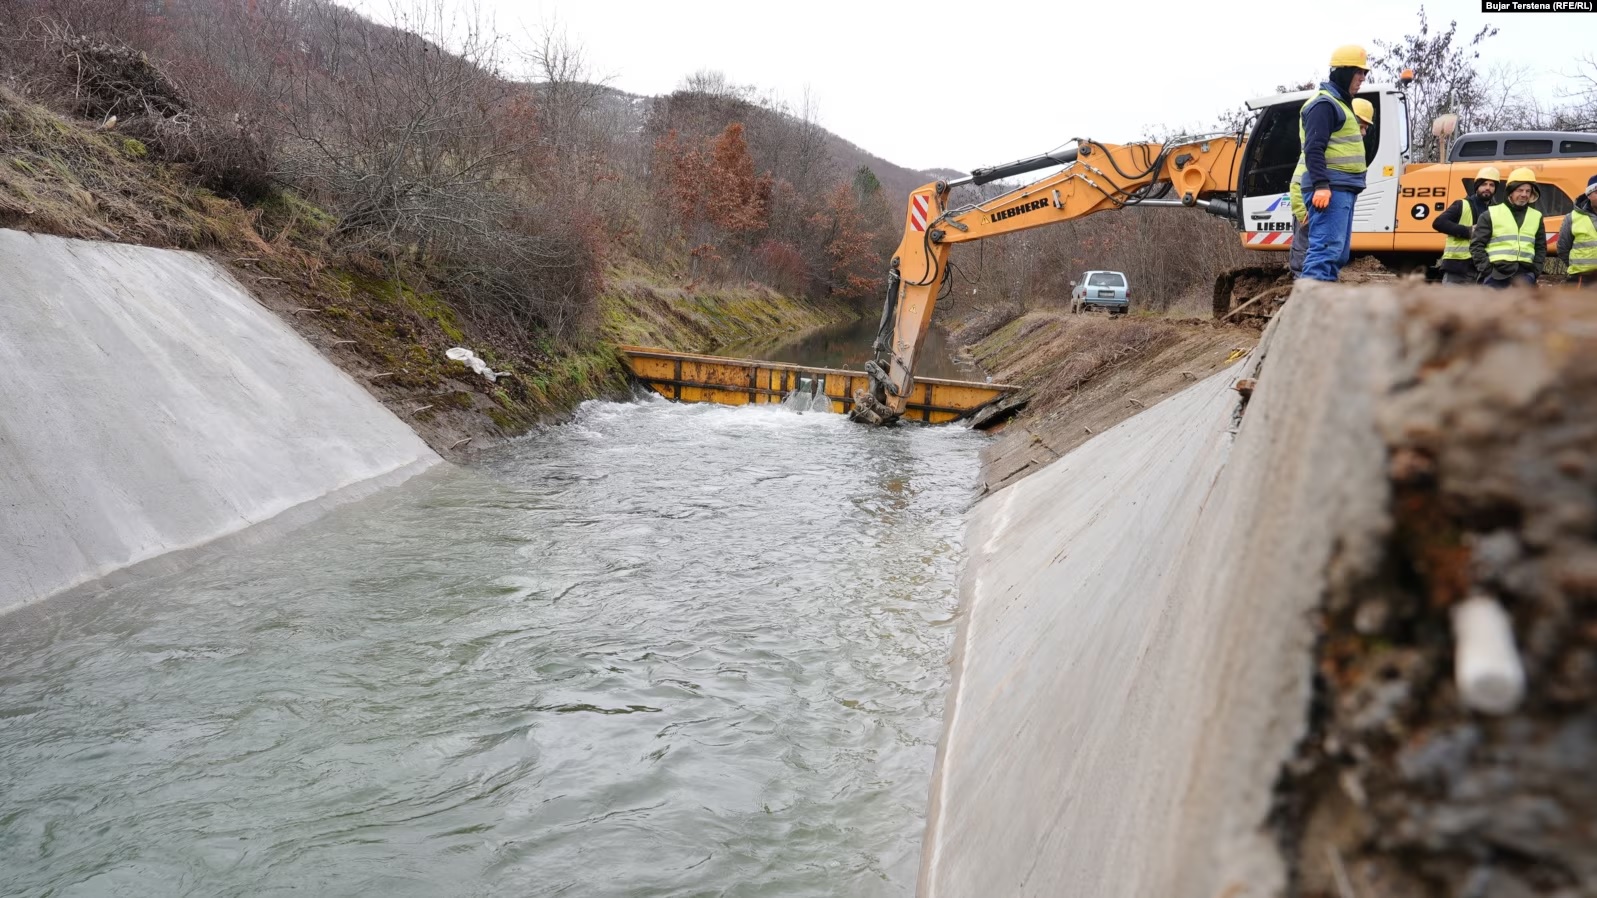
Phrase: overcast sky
[958,85]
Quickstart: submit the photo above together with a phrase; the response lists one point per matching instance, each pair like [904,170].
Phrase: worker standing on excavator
[1364,111]
[1509,243]
[1577,240]
[1334,163]
[1456,223]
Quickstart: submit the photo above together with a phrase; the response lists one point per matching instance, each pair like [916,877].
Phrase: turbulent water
[662,650]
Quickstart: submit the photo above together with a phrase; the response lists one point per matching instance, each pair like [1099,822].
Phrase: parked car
[1100,290]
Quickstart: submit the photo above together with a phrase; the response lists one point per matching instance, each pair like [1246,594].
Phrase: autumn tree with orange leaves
[718,204]
[854,264]
[737,201]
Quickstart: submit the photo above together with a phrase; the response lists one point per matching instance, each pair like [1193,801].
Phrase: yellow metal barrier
[686,377]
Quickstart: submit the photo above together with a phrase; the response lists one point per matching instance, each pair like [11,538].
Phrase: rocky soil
[1400,789]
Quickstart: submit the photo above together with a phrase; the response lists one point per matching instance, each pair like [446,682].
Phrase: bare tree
[419,144]
[1507,100]
[1447,78]
[402,134]
[570,94]
[1579,113]
[715,83]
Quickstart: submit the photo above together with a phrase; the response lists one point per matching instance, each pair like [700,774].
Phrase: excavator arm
[1097,177]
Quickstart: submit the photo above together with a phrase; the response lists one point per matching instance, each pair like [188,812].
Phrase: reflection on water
[849,346]
[663,650]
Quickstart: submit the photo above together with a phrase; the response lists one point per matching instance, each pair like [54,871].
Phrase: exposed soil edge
[1490,424]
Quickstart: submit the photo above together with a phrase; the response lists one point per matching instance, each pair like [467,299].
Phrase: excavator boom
[1096,177]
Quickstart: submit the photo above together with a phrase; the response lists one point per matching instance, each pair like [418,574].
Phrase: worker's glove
[1322,198]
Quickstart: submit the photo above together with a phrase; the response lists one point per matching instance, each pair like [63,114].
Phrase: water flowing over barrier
[688,377]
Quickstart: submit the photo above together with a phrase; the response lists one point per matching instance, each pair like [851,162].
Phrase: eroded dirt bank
[1083,374]
[1490,424]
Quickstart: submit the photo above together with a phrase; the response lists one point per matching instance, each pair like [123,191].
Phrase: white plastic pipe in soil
[1486,664]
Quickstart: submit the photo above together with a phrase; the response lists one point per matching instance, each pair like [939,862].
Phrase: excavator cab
[1271,155]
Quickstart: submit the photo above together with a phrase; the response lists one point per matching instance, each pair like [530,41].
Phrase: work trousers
[1330,237]
[1300,246]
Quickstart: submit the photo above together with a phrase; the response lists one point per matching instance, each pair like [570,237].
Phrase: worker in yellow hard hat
[1509,243]
[1364,111]
[1457,221]
[1577,240]
[1334,163]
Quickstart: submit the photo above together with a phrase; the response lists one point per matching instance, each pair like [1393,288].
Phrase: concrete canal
[661,650]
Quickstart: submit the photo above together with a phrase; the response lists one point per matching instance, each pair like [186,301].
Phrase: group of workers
[1495,244]
[1505,243]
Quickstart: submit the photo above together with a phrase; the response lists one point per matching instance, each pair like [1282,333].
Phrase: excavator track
[1251,295]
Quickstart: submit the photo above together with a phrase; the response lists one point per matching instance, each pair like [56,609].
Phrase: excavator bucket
[869,410]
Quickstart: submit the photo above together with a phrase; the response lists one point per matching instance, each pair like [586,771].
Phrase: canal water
[661,650]
[848,346]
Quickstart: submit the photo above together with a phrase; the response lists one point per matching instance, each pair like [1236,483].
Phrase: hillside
[897,181]
[392,200]
[387,322]
[634,112]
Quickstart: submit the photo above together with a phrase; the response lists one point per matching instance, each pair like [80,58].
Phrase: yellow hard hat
[1364,110]
[1350,55]
[1522,175]
[1489,173]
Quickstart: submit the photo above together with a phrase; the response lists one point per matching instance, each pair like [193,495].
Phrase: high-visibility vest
[1458,247]
[1344,152]
[1511,244]
[1583,249]
[1299,210]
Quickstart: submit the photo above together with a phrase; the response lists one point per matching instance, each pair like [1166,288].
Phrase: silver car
[1105,290]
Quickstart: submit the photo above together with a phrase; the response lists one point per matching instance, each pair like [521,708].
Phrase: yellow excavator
[1243,177]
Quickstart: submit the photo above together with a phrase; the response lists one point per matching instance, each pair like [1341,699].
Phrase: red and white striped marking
[1269,238]
[918,204]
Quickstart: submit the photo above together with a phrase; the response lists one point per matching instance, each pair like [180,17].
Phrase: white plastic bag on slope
[469,358]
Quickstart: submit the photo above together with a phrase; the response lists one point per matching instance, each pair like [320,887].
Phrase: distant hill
[896,180]
[707,113]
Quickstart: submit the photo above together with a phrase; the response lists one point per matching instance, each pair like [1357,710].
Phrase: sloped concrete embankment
[1208,652]
[150,405]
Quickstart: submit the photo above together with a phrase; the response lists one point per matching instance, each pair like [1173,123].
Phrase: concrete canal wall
[1134,659]
[150,405]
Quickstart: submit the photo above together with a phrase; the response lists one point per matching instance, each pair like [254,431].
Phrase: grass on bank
[65,177]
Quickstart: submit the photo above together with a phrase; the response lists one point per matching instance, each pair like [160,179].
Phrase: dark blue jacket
[1320,120]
